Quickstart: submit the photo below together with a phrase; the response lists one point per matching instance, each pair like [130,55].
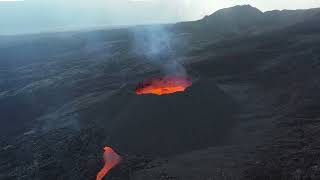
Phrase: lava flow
[111,159]
[165,85]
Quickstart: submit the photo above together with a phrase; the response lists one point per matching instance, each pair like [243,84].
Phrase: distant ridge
[244,20]
[243,12]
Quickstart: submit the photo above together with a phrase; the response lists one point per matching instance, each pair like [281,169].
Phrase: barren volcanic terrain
[251,111]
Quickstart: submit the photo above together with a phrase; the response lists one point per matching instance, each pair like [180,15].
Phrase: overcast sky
[27,16]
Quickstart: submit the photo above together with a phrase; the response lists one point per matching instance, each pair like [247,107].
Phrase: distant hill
[235,18]
[243,20]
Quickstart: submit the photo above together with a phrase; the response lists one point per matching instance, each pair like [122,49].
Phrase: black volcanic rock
[272,75]
[309,26]
[167,124]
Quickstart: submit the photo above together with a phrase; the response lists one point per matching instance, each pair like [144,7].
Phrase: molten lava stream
[165,85]
[111,159]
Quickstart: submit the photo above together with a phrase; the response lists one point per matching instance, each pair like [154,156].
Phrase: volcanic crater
[169,124]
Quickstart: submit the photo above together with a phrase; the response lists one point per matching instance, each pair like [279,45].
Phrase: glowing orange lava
[165,85]
[111,159]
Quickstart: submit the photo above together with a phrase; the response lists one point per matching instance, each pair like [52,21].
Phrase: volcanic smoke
[111,159]
[164,85]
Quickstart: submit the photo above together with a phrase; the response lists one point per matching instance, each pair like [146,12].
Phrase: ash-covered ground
[252,113]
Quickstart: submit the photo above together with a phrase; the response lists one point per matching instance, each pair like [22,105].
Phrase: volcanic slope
[167,124]
[61,105]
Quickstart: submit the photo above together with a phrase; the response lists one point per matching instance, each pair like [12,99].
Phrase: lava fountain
[164,85]
[111,159]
